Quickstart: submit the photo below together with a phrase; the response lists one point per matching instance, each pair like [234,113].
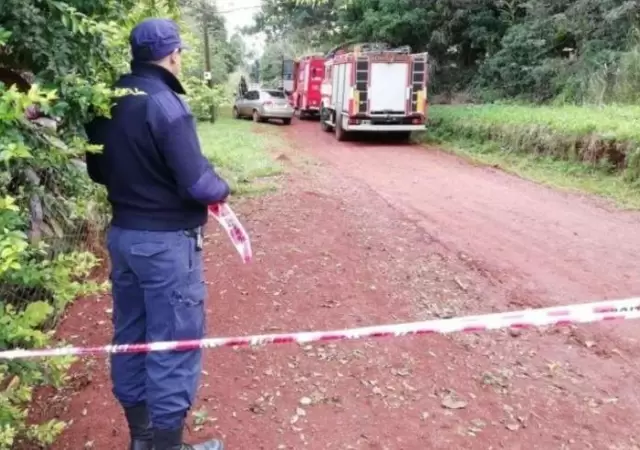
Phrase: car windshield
[275,94]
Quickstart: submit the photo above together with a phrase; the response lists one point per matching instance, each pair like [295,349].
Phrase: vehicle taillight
[417,120]
[421,101]
[354,101]
[267,103]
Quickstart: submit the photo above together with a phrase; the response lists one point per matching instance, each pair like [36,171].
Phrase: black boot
[172,440]
[139,427]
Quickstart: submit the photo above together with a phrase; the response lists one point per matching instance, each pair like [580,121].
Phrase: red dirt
[374,234]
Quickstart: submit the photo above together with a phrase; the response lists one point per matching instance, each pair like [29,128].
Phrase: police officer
[159,185]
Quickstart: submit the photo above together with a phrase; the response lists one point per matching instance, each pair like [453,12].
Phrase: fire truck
[307,97]
[302,81]
[374,88]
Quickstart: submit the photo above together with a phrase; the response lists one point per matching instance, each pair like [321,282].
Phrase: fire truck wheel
[303,115]
[324,115]
[341,135]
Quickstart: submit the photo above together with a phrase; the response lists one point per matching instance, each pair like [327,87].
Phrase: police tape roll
[557,316]
[234,229]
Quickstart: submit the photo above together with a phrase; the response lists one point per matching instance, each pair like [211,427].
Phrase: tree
[66,61]
[275,52]
[531,49]
[315,24]
[237,52]
[568,48]
[226,54]
[58,60]
[255,70]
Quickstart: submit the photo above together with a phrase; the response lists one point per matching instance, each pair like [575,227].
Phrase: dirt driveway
[367,233]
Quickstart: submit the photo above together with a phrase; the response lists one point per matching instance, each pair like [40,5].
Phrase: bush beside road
[594,149]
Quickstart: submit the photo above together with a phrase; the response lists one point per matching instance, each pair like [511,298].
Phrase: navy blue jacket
[156,176]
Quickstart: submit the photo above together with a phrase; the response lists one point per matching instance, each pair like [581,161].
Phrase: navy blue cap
[153,39]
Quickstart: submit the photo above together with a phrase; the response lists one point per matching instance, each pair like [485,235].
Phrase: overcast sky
[239,14]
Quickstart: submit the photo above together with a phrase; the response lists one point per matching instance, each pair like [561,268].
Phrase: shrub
[603,137]
[57,61]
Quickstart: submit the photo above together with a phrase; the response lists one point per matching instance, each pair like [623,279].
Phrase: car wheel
[236,113]
[256,116]
[286,121]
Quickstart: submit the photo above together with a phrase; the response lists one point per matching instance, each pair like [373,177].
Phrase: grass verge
[241,156]
[588,149]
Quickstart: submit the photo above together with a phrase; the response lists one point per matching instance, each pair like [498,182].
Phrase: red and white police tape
[565,315]
[234,229]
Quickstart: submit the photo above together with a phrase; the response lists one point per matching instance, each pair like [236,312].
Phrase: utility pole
[207,55]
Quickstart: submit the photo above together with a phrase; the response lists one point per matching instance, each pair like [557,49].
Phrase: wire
[240,8]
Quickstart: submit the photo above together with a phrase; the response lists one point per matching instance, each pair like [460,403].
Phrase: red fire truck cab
[372,87]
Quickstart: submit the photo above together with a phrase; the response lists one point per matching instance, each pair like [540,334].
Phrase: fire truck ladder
[361,94]
[418,82]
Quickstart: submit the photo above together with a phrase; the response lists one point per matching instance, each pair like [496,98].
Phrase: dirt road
[540,247]
[367,234]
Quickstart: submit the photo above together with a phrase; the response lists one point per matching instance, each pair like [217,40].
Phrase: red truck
[307,96]
[305,87]
[371,87]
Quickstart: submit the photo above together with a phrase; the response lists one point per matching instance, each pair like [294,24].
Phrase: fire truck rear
[373,88]
[309,75]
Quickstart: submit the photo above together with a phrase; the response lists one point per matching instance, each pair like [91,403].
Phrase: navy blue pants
[158,295]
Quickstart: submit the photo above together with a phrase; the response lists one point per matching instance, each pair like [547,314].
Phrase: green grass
[609,122]
[589,149]
[241,156]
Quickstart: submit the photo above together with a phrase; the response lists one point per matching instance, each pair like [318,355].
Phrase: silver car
[262,105]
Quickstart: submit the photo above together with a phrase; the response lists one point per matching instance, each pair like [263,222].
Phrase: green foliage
[268,69]
[571,50]
[580,51]
[45,194]
[226,54]
[293,29]
[59,57]
[542,166]
[311,21]
[605,138]
[254,71]
[199,95]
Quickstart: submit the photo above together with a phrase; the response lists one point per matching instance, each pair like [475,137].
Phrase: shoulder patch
[171,106]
